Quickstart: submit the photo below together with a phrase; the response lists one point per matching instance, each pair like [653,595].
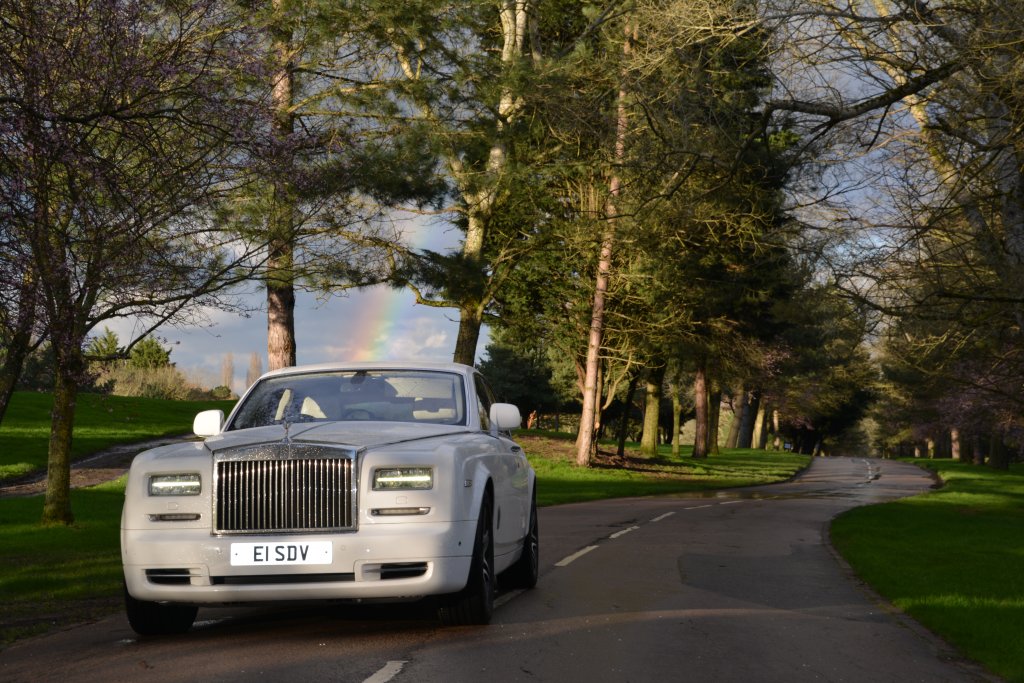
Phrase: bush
[166,382]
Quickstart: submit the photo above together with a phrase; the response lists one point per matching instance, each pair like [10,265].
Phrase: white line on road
[387,672]
[730,502]
[661,517]
[623,532]
[697,507]
[575,556]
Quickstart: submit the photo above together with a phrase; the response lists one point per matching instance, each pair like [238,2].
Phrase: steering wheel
[358,414]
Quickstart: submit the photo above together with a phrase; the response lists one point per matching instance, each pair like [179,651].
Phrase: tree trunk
[714,417]
[979,451]
[281,352]
[280,279]
[700,401]
[677,420]
[998,453]
[652,411]
[585,439]
[627,409]
[70,367]
[760,436]
[753,404]
[470,322]
[739,404]
[19,344]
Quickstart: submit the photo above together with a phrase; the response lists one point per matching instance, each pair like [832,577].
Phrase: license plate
[250,554]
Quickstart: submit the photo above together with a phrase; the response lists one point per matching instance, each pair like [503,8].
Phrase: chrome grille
[284,487]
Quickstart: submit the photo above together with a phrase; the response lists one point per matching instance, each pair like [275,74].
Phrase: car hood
[355,435]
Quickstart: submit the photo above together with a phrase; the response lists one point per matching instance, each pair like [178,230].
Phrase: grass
[953,559]
[54,575]
[560,481]
[100,421]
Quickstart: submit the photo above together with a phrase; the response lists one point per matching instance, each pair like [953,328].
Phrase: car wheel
[474,604]
[524,573]
[156,619]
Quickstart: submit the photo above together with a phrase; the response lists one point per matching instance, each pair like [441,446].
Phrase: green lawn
[953,559]
[100,421]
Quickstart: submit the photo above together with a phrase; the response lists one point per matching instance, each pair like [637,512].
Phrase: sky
[378,323]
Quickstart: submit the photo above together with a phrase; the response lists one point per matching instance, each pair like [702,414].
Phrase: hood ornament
[287,426]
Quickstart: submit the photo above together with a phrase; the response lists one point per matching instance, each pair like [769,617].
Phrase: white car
[352,481]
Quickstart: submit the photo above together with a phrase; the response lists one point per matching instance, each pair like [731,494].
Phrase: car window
[484,400]
[380,395]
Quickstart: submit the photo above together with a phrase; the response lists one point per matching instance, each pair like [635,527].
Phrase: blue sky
[378,323]
[375,324]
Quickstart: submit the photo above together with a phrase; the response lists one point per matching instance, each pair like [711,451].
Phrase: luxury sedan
[350,481]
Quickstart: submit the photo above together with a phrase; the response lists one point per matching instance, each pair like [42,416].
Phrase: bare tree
[255,369]
[117,117]
[227,370]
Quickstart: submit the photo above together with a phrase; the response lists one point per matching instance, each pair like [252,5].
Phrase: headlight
[391,478]
[175,485]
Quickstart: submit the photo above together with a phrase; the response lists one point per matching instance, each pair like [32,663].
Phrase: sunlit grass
[561,481]
[953,559]
[100,422]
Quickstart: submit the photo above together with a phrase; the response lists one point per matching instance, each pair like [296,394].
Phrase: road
[731,586]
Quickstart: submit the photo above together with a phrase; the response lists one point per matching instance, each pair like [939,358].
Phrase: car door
[511,478]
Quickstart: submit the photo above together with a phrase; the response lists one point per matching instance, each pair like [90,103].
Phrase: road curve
[730,586]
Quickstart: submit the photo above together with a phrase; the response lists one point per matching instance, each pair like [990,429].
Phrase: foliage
[149,354]
[523,379]
[162,382]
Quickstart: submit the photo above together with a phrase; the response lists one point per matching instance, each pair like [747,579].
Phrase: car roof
[373,365]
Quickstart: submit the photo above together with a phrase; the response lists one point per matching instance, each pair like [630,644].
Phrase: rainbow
[374,312]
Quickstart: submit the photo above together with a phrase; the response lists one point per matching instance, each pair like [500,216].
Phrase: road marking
[623,532]
[697,507]
[387,672]
[730,502]
[564,562]
[661,517]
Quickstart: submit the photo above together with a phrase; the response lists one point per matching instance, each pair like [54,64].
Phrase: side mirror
[505,417]
[208,423]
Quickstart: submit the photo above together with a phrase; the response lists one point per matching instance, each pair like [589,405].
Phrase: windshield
[385,395]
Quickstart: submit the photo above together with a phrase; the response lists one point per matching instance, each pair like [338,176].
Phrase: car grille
[284,487]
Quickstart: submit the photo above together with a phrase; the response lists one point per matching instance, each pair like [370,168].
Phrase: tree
[116,117]
[255,369]
[469,80]
[940,255]
[148,353]
[227,371]
[328,156]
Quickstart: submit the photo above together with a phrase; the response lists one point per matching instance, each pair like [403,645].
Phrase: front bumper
[384,561]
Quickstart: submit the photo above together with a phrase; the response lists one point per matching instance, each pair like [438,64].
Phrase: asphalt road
[732,586]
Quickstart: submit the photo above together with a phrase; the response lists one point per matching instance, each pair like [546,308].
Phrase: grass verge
[953,559]
[100,422]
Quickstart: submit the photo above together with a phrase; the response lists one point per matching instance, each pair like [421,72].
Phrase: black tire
[474,604]
[157,619]
[526,570]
